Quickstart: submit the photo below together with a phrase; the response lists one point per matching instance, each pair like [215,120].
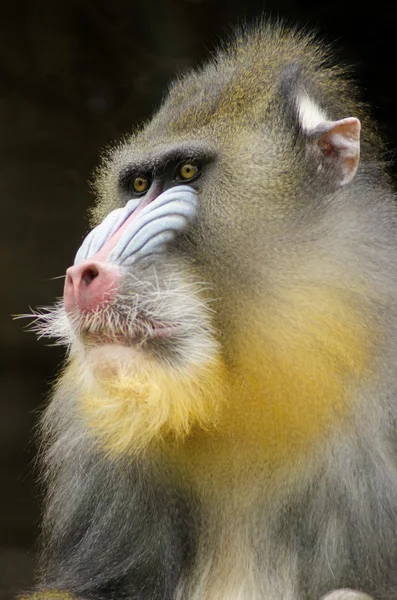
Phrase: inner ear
[335,144]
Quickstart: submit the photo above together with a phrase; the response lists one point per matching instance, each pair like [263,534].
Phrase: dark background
[73,77]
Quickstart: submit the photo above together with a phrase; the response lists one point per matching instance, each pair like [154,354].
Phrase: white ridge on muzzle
[147,232]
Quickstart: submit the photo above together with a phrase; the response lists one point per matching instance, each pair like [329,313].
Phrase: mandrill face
[123,289]
[142,346]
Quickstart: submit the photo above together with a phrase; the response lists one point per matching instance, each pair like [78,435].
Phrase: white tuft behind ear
[310,115]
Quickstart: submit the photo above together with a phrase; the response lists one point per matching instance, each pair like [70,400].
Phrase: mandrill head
[220,293]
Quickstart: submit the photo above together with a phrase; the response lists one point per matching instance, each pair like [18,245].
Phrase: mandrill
[225,424]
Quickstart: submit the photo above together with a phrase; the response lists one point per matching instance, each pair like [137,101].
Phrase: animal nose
[90,284]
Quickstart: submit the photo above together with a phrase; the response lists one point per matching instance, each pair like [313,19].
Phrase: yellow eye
[188,171]
[140,184]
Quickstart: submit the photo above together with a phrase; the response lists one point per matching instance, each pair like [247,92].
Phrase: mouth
[141,332]
[114,348]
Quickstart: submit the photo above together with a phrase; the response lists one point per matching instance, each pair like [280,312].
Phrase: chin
[113,359]
[130,398]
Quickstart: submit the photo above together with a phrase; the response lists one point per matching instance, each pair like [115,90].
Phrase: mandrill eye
[140,184]
[188,171]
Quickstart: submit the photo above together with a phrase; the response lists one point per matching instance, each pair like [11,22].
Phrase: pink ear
[339,146]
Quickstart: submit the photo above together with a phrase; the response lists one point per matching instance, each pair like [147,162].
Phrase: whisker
[57,277]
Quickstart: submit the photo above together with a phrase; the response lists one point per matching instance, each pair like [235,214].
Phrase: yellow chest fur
[279,384]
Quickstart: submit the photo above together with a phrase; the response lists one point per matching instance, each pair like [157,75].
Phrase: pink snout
[90,284]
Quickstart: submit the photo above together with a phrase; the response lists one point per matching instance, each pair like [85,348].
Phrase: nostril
[89,274]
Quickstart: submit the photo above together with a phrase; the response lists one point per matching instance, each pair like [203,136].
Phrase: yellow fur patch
[299,362]
[289,376]
[294,370]
[128,408]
